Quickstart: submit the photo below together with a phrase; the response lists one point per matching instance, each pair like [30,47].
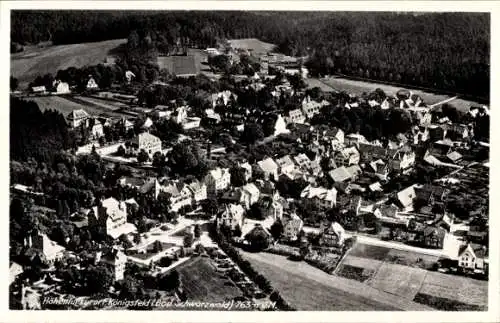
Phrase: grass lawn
[201,282]
[67,105]
[27,65]
[399,280]
[462,289]
[445,304]
[254,44]
[308,288]
[411,259]
[369,251]
[358,87]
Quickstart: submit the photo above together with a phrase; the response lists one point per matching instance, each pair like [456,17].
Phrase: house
[285,164]
[116,261]
[379,168]
[258,231]
[96,128]
[332,235]
[295,116]
[434,237]
[473,257]
[311,107]
[110,218]
[39,89]
[268,168]
[403,159]
[249,195]
[354,139]
[347,157]
[232,216]
[335,135]
[91,84]
[321,196]
[271,206]
[458,131]
[125,124]
[292,225]
[430,194]
[217,180]
[247,170]
[179,194]
[302,161]
[135,182]
[144,141]
[62,87]
[405,197]
[339,175]
[454,156]
[369,152]
[198,191]
[222,98]
[49,250]
[76,118]
[14,270]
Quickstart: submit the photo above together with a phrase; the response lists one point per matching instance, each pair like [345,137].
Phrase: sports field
[253,44]
[34,61]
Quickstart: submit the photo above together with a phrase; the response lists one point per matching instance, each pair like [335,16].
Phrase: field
[201,282]
[406,275]
[253,44]
[185,64]
[34,61]
[324,292]
[66,105]
[358,87]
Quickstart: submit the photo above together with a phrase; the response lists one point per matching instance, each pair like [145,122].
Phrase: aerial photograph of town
[220,160]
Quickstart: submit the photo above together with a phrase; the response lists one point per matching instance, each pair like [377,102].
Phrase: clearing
[253,44]
[202,282]
[65,105]
[358,87]
[34,61]
[407,275]
[324,292]
[193,63]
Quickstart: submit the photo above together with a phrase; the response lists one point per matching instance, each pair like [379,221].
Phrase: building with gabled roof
[116,261]
[231,216]
[292,225]
[473,257]
[110,218]
[144,141]
[78,117]
[332,235]
[347,157]
[285,164]
[321,196]
[216,180]
[340,174]
[49,250]
[268,168]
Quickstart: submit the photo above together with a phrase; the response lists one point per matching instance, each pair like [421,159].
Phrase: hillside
[34,61]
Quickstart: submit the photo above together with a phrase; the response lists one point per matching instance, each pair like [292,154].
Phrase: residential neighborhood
[222,183]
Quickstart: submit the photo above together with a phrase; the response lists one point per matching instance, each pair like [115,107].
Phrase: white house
[473,257]
[116,261]
[268,167]
[232,216]
[111,217]
[292,225]
[77,118]
[249,195]
[320,196]
[217,180]
[62,87]
[144,141]
[285,164]
[50,250]
[295,116]
[91,84]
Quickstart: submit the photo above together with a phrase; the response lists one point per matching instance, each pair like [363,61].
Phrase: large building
[110,218]
[77,118]
[115,260]
[144,141]
[217,180]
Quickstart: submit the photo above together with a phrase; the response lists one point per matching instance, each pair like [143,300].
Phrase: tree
[120,151]
[277,229]
[98,279]
[14,83]
[188,239]
[238,176]
[258,238]
[252,133]
[237,231]
[143,156]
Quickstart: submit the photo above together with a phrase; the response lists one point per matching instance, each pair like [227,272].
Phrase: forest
[445,51]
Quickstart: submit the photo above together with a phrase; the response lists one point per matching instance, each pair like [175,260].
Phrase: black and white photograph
[249,160]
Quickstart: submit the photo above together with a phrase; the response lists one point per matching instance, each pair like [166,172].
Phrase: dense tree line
[449,51]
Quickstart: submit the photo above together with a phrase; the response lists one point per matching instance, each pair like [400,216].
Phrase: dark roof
[427,191]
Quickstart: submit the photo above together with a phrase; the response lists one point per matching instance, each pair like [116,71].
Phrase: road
[399,246]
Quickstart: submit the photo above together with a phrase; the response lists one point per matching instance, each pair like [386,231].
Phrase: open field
[190,64]
[400,280]
[406,274]
[34,61]
[201,282]
[324,291]
[66,105]
[252,44]
[358,87]
[459,288]
[314,82]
